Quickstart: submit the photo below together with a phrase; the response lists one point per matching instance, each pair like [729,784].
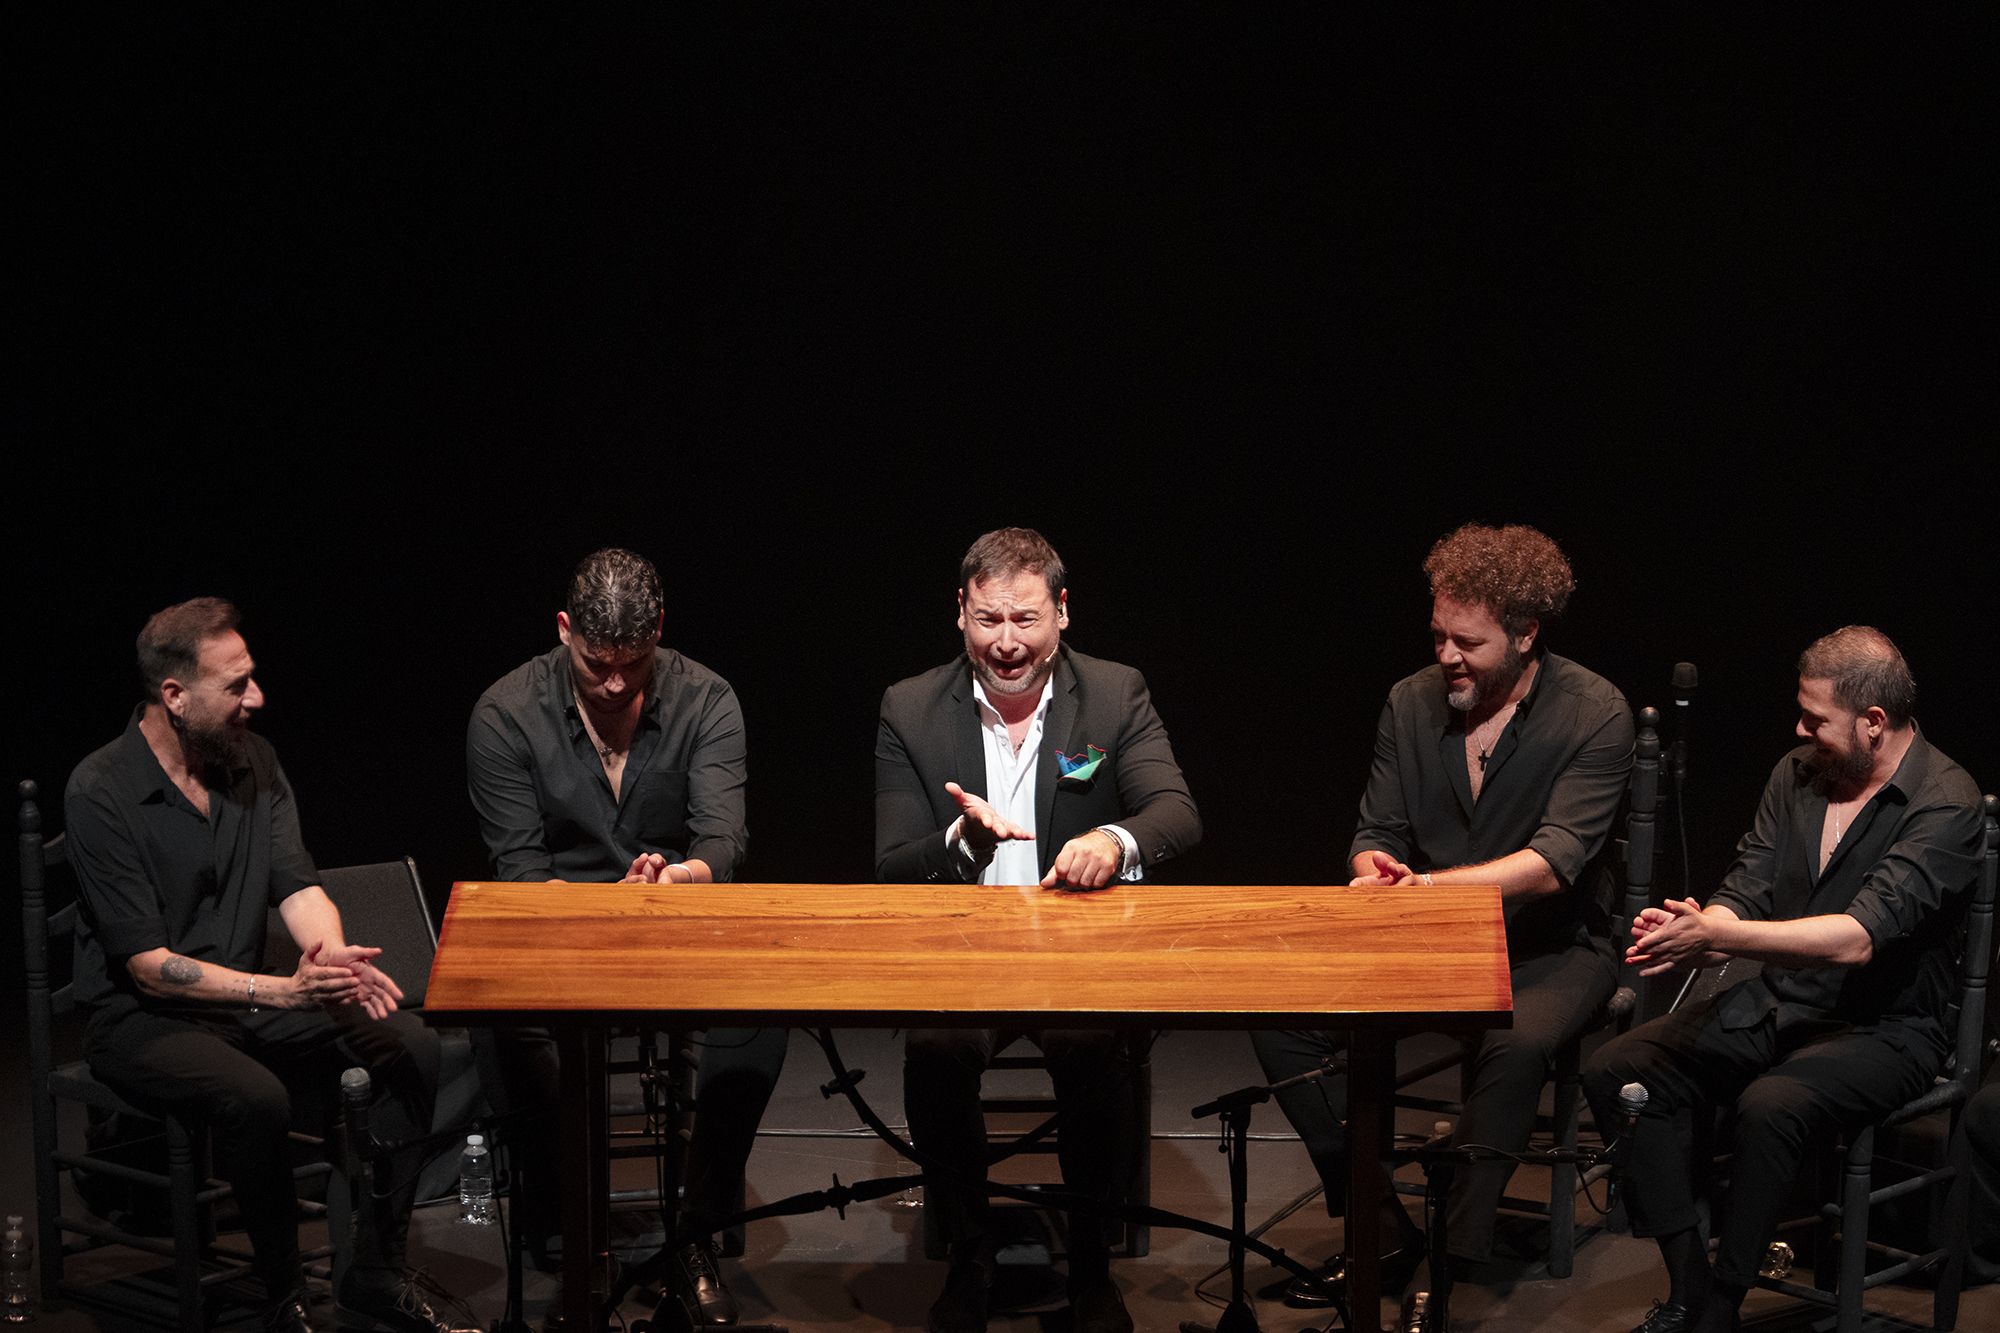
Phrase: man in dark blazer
[1023,762]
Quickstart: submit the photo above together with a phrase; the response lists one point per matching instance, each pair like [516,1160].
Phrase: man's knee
[1086,1054]
[945,1052]
[1609,1069]
[254,1103]
[1515,1058]
[1779,1110]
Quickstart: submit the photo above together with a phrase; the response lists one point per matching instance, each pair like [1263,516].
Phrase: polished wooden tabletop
[896,955]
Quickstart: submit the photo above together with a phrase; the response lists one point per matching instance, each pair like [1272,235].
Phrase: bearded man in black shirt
[183,831]
[1500,764]
[1847,889]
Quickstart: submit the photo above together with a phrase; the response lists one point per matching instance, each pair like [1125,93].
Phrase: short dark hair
[1866,671]
[1005,552]
[615,599]
[170,644]
[1515,572]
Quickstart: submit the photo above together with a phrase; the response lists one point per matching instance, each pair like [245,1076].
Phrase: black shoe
[1096,1307]
[701,1283]
[1665,1318]
[961,1306]
[397,1307]
[1328,1284]
[291,1315]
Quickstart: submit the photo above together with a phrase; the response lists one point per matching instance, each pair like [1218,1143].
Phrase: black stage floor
[822,1274]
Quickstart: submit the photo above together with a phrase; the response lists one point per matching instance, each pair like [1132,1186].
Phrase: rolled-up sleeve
[1935,856]
[1385,814]
[717,772]
[292,867]
[1584,801]
[110,874]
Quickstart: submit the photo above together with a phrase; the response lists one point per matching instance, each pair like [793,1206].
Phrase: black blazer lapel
[1056,732]
[968,751]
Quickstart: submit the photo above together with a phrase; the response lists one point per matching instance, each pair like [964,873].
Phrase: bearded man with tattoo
[183,832]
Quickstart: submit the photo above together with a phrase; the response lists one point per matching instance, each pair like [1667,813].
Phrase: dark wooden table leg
[1369,1073]
[586,1173]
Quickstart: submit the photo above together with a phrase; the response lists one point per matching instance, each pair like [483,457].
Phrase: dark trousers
[738,1068]
[1096,1138]
[1792,1078]
[236,1072]
[1556,998]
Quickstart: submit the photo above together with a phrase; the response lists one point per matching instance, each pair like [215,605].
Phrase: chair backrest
[1977,961]
[380,905]
[41,930]
[1636,855]
[383,905]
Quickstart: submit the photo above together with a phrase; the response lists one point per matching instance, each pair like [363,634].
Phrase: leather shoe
[961,1306]
[288,1316]
[1096,1307]
[1665,1318]
[1328,1284]
[701,1280]
[399,1308]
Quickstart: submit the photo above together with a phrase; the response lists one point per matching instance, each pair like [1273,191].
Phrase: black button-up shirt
[1902,869]
[545,807]
[153,873]
[1553,786]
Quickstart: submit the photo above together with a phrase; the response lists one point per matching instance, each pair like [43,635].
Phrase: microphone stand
[365,1161]
[1234,1109]
[1440,1161]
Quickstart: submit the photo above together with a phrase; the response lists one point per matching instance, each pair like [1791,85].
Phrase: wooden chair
[1844,1222]
[201,1265]
[1132,1239]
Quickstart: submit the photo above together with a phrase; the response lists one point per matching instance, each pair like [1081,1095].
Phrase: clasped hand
[1672,937]
[345,974]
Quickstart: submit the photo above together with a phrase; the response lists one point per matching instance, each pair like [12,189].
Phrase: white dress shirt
[1010,790]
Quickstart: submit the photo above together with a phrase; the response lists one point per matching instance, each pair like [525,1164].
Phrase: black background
[376,325]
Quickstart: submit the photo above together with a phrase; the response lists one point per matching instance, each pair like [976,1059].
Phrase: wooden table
[578,957]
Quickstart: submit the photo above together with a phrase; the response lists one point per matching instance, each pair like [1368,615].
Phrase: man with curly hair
[1503,764]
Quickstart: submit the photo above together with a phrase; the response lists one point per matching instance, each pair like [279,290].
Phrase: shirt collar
[1455,720]
[150,780]
[562,690]
[989,715]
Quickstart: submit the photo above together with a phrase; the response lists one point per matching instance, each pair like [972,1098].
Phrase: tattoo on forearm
[179,971]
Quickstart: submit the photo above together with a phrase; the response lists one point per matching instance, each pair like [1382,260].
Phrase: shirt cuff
[124,936]
[1129,868]
[962,855]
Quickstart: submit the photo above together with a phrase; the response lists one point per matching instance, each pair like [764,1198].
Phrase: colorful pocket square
[1078,770]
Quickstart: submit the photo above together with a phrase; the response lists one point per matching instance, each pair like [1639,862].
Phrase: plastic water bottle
[475,1184]
[17,1299]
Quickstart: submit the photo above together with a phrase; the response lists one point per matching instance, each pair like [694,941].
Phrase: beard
[1495,684]
[1842,772]
[211,747]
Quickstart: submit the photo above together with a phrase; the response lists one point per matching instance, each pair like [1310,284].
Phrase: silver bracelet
[1425,879]
[253,992]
